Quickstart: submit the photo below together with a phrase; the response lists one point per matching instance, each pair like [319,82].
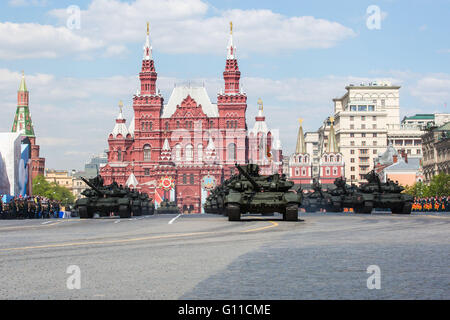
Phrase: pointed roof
[23,86]
[166,146]
[231,49]
[148,47]
[301,145]
[120,127]
[332,142]
[210,145]
[131,181]
[260,125]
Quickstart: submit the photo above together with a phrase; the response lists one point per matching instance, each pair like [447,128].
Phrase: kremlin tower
[300,163]
[23,125]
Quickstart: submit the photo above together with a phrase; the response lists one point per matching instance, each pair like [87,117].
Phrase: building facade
[362,117]
[436,151]
[182,149]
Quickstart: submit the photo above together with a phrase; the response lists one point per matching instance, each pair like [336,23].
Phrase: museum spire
[301,145]
[231,74]
[332,142]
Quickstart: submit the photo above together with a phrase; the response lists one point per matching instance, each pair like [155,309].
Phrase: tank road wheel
[291,213]
[364,208]
[137,211]
[233,211]
[124,211]
[402,209]
[83,212]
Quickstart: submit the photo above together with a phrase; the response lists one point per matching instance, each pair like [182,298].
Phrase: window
[352,143]
[418,151]
[383,102]
[189,153]
[303,172]
[335,171]
[363,118]
[352,151]
[231,151]
[352,168]
[167,126]
[352,118]
[374,135]
[200,152]
[178,124]
[352,177]
[362,108]
[146,171]
[374,151]
[374,126]
[374,118]
[352,160]
[363,143]
[184,178]
[178,152]
[363,135]
[119,155]
[374,142]
[363,151]
[352,126]
[147,153]
[191,180]
[371,108]
[352,135]
[352,108]
[363,126]
[211,124]
[297,171]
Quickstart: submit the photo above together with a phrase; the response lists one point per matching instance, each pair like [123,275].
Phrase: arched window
[167,126]
[303,172]
[142,126]
[335,171]
[200,152]
[231,151]
[189,153]
[306,159]
[178,152]
[119,155]
[331,159]
[147,153]
[327,171]
[150,126]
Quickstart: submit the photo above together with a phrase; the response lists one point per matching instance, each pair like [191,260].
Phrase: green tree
[440,185]
[53,191]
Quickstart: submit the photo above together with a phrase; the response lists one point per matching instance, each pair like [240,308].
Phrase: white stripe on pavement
[171,221]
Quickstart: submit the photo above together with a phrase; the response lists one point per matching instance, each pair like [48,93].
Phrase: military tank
[251,192]
[167,207]
[375,194]
[317,200]
[148,207]
[103,200]
[342,195]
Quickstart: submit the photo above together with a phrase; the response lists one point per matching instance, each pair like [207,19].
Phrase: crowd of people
[431,204]
[33,207]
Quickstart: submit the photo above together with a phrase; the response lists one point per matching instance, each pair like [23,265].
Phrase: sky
[81,57]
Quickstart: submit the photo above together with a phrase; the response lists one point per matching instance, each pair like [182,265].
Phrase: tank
[375,194]
[167,207]
[317,200]
[342,195]
[250,192]
[104,200]
[148,207]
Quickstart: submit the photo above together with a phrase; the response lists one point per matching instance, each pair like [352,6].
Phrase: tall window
[231,151]
[119,155]
[184,178]
[178,152]
[200,152]
[147,153]
[150,126]
[167,126]
[189,153]
[191,178]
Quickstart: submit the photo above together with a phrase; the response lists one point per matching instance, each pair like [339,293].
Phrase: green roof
[419,116]
[444,127]
[23,86]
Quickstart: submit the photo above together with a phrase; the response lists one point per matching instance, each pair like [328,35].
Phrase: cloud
[32,40]
[181,26]
[27,3]
[432,89]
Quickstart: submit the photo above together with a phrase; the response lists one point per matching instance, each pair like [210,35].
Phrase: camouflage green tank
[104,200]
[375,194]
[249,192]
[317,200]
[167,207]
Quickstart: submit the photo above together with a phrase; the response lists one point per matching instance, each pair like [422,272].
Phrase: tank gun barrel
[92,186]
[249,178]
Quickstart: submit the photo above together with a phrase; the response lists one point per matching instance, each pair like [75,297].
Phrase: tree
[53,191]
[439,186]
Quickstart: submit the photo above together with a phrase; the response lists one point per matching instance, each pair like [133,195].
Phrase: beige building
[436,151]
[313,148]
[60,177]
[362,118]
